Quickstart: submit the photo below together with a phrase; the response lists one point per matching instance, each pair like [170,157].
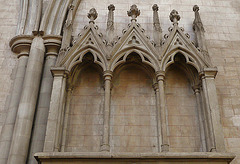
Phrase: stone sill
[48,157]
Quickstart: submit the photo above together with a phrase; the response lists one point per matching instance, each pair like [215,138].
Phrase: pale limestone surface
[182,113]
[9,18]
[221,21]
[133,117]
[84,131]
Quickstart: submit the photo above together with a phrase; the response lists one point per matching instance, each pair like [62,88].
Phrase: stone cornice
[21,44]
[167,156]
[52,44]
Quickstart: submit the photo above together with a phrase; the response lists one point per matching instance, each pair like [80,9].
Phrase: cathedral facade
[104,81]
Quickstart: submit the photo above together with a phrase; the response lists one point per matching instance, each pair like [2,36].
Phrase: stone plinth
[129,158]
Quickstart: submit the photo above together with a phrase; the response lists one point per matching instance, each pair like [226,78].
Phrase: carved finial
[174,17]
[199,31]
[197,24]
[111,7]
[67,33]
[133,12]
[195,8]
[157,35]
[110,24]
[155,7]
[92,15]
[69,17]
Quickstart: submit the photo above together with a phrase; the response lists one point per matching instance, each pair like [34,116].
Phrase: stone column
[210,137]
[213,114]
[52,44]
[106,124]
[21,45]
[158,116]
[52,138]
[24,121]
[66,116]
[196,90]
[164,129]
[205,120]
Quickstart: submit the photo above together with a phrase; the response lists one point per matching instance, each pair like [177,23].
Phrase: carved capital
[21,44]
[209,73]
[174,17]
[59,72]
[133,12]
[92,15]
[52,44]
[160,75]
[108,75]
[196,89]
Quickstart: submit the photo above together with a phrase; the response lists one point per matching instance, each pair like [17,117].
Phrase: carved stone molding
[21,44]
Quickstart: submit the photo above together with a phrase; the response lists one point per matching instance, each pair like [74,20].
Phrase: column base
[165,148]
[213,149]
[105,148]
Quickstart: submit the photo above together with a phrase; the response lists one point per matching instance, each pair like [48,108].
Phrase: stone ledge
[204,157]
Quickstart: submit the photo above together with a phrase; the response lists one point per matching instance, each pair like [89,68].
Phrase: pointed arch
[146,58]
[190,58]
[76,58]
[180,61]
